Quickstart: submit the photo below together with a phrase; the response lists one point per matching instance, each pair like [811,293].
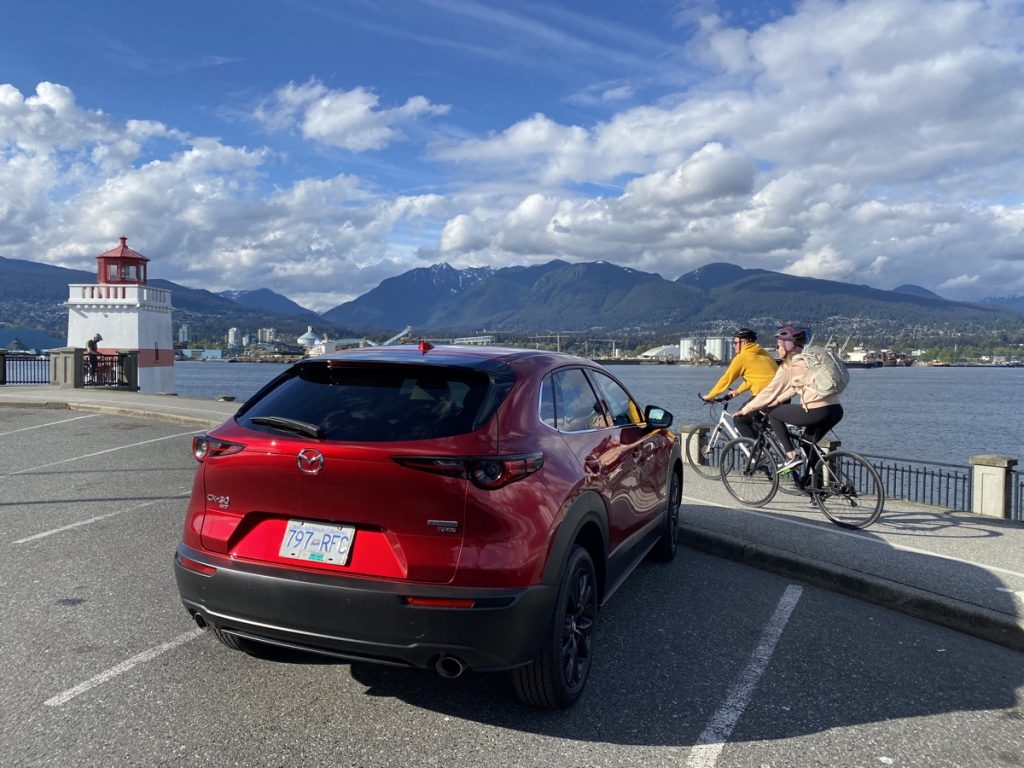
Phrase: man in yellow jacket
[751,362]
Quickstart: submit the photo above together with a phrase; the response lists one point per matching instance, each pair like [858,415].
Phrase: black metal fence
[105,371]
[925,482]
[1017,493]
[24,369]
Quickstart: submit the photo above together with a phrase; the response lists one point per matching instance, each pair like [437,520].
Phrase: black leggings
[745,425]
[817,421]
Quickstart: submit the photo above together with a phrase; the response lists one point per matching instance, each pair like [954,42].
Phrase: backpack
[829,371]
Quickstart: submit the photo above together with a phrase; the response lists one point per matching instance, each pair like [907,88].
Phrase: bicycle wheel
[701,453]
[848,490]
[748,472]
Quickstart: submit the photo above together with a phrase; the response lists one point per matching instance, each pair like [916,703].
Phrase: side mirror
[657,417]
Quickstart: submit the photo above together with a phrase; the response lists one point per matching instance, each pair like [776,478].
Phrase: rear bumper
[366,619]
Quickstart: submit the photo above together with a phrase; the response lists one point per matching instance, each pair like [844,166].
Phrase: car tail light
[440,602]
[193,565]
[205,447]
[487,472]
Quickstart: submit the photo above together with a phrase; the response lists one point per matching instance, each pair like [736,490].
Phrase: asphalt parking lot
[700,662]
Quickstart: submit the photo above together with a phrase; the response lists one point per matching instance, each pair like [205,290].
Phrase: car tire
[665,549]
[556,677]
[234,642]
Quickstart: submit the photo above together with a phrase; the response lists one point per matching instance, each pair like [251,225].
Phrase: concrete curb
[172,418]
[133,411]
[979,621]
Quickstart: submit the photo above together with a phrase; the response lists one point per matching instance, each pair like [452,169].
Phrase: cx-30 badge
[310,462]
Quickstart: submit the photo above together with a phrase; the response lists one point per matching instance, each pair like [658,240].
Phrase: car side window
[621,408]
[576,407]
[547,402]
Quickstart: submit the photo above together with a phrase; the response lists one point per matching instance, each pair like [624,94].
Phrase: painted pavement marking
[48,424]
[91,520]
[716,733]
[63,698]
[100,453]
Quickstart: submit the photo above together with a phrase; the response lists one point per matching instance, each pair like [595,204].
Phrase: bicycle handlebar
[721,399]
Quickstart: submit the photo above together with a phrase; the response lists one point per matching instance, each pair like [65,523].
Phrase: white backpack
[829,372]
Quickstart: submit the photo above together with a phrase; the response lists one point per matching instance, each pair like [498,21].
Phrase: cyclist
[817,413]
[751,362]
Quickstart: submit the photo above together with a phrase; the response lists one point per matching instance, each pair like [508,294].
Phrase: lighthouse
[127,313]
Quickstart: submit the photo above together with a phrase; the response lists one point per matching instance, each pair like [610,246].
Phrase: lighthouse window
[112,272]
[132,274]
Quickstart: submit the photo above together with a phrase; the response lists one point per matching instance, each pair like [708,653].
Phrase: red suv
[446,507]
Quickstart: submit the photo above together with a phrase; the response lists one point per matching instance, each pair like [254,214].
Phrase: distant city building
[266,335]
[308,339]
[246,339]
[690,349]
[667,352]
[719,348]
[201,354]
[183,333]
[233,334]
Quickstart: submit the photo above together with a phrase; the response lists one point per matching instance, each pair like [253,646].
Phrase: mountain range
[596,298]
[600,297]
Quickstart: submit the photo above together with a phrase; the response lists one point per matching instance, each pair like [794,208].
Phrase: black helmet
[745,334]
[789,331]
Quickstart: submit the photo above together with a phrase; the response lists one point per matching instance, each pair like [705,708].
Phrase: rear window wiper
[288,425]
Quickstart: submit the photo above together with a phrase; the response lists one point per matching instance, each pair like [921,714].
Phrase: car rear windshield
[376,403]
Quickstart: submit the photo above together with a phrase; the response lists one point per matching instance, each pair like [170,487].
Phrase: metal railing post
[702,430]
[993,492]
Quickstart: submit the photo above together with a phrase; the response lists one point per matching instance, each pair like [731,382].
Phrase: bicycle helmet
[744,334]
[791,336]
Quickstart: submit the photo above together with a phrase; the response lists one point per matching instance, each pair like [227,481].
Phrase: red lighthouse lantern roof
[122,265]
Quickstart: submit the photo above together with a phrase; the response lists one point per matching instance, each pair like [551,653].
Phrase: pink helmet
[790,332]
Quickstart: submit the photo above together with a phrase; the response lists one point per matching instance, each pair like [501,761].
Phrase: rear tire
[848,490]
[748,472]
[233,642]
[665,549]
[555,679]
[697,446]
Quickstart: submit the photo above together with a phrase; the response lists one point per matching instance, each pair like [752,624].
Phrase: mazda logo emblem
[310,462]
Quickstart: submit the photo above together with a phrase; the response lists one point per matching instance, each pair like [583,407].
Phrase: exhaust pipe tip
[200,621]
[450,667]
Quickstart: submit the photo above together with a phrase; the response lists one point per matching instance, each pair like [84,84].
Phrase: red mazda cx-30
[446,507]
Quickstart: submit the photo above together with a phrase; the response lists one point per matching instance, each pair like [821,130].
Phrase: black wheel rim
[676,497]
[577,633]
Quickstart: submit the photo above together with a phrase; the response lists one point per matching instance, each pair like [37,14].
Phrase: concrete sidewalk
[959,570]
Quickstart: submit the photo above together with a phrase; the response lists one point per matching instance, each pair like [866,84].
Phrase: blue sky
[318,147]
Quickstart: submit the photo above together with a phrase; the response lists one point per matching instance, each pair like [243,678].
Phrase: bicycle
[703,449]
[842,484]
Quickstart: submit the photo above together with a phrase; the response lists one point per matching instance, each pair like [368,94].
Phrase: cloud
[347,119]
[869,141]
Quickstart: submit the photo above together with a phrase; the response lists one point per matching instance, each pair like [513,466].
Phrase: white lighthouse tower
[128,314]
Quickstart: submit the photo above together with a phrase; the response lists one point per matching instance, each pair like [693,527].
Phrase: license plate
[317,543]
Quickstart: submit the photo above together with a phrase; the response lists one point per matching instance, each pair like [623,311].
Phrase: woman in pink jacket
[818,413]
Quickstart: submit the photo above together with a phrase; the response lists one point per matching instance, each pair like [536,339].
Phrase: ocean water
[929,414]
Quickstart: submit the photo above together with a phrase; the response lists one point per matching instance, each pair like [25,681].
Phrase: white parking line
[63,698]
[100,453]
[869,538]
[48,424]
[80,523]
[1015,594]
[710,743]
